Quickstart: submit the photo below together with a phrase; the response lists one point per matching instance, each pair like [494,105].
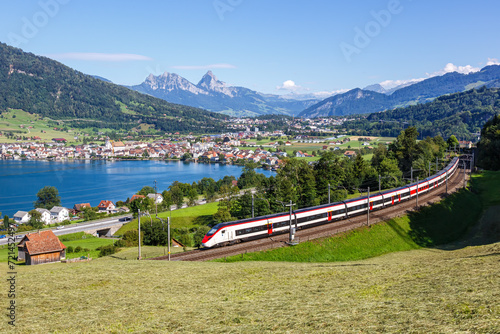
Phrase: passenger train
[252,228]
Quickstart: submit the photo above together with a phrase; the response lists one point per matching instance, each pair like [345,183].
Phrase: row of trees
[307,185]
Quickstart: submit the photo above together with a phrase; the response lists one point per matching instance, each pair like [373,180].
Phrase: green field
[187,217]
[13,119]
[448,289]
[419,291]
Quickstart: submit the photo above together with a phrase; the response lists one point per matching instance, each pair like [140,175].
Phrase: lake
[90,181]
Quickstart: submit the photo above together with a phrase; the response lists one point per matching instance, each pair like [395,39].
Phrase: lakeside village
[224,148]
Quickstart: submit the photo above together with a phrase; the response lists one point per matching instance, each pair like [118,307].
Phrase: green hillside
[48,88]
[459,114]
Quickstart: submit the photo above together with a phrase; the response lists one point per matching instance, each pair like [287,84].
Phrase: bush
[199,234]
[185,239]
[78,249]
[121,243]
[69,249]
[107,250]
[131,238]
[86,249]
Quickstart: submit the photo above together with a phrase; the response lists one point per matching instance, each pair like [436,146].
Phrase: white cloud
[289,85]
[325,94]
[92,56]
[492,61]
[204,67]
[450,67]
[389,84]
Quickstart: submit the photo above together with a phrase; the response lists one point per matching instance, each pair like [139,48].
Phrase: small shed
[41,247]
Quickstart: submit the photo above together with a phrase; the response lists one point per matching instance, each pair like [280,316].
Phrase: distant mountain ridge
[215,95]
[373,99]
[46,87]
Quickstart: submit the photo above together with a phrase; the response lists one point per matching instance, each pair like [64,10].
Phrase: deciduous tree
[48,197]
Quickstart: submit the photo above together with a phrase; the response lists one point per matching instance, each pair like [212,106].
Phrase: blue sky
[270,46]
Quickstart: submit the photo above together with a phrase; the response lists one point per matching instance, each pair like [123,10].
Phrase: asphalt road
[80,227]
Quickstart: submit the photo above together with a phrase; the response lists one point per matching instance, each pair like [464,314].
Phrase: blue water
[93,181]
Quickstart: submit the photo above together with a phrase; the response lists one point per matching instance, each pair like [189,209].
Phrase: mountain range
[375,98]
[215,95]
[46,87]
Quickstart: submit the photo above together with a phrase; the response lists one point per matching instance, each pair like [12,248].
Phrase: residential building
[59,214]
[106,207]
[157,198]
[45,215]
[21,217]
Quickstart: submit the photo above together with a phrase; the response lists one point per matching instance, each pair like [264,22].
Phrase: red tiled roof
[42,242]
[80,207]
[105,204]
[136,197]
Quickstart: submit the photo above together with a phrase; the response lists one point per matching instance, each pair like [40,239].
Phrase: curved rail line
[323,230]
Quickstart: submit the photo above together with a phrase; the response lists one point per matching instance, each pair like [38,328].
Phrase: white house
[59,214]
[45,215]
[106,207]
[21,217]
[158,198]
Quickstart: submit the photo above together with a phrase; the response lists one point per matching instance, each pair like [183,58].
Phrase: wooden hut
[41,247]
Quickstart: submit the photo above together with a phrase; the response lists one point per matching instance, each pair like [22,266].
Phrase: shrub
[199,234]
[121,243]
[131,238]
[107,250]
[69,249]
[78,249]
[86,249]
[185,239]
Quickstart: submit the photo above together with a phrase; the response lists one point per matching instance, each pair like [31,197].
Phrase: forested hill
[359,101]
[459,114]
[43,86]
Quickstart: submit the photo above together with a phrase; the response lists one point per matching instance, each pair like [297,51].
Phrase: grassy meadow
[453,288]
[187,217]
[420,291]
[13,119]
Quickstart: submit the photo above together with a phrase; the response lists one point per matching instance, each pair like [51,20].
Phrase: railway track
[323,230]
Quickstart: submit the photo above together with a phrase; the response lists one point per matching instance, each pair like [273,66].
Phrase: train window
[212,231]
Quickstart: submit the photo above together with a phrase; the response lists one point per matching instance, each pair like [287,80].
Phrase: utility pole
[328,193]
[368,211]
[379,183]
[252,207]
[168,236]
[291,232]
[436,165]
[139,215]
[464,175]
[411,177]
[446,181]
[472,164]
[156,204]
[417,192]
[429,169]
